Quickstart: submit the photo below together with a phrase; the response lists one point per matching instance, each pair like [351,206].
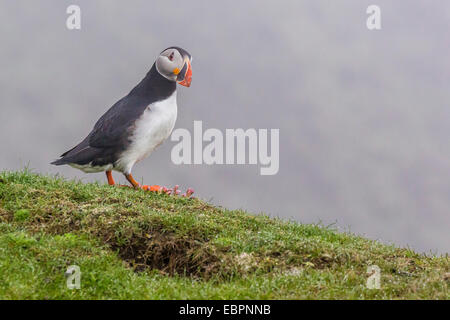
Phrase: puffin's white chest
[153,127]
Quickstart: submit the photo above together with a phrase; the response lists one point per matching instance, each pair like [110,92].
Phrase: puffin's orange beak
[185,76]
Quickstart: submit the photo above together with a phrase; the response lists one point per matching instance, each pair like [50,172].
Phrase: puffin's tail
[81,157]
[59,162]
[78,153]
[63,159]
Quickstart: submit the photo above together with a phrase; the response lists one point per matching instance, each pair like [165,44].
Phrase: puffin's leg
[131,180]
[110,178]
[136,185]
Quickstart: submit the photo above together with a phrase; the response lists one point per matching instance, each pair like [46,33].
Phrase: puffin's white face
[175,64]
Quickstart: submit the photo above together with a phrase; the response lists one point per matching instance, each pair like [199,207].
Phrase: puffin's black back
[112,132]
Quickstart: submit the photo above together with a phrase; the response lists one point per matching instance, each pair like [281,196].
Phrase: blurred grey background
[363,115]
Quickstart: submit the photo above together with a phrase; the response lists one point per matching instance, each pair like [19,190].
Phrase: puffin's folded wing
[112,130]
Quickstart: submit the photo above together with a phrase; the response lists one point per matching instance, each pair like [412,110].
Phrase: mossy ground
[140,245]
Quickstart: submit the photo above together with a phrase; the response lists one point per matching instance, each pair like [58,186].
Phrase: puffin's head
[174,64]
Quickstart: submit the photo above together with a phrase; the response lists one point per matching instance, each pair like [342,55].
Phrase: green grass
[140,245]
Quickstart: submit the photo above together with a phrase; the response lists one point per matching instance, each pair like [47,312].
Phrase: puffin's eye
[171,56]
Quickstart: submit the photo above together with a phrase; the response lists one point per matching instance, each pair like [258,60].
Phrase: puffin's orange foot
[154,188]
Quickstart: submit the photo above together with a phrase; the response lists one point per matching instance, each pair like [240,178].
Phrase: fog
[363,116]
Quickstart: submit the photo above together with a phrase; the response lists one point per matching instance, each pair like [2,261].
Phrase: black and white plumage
[136,124]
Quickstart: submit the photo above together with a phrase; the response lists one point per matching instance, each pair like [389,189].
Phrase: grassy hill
[141,245]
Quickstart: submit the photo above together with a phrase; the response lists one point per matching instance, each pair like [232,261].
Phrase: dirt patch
[4,215]
[169,253]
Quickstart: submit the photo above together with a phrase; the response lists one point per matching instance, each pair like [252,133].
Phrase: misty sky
[364,116]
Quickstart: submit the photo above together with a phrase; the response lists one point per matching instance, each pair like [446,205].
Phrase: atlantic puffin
[136,124]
